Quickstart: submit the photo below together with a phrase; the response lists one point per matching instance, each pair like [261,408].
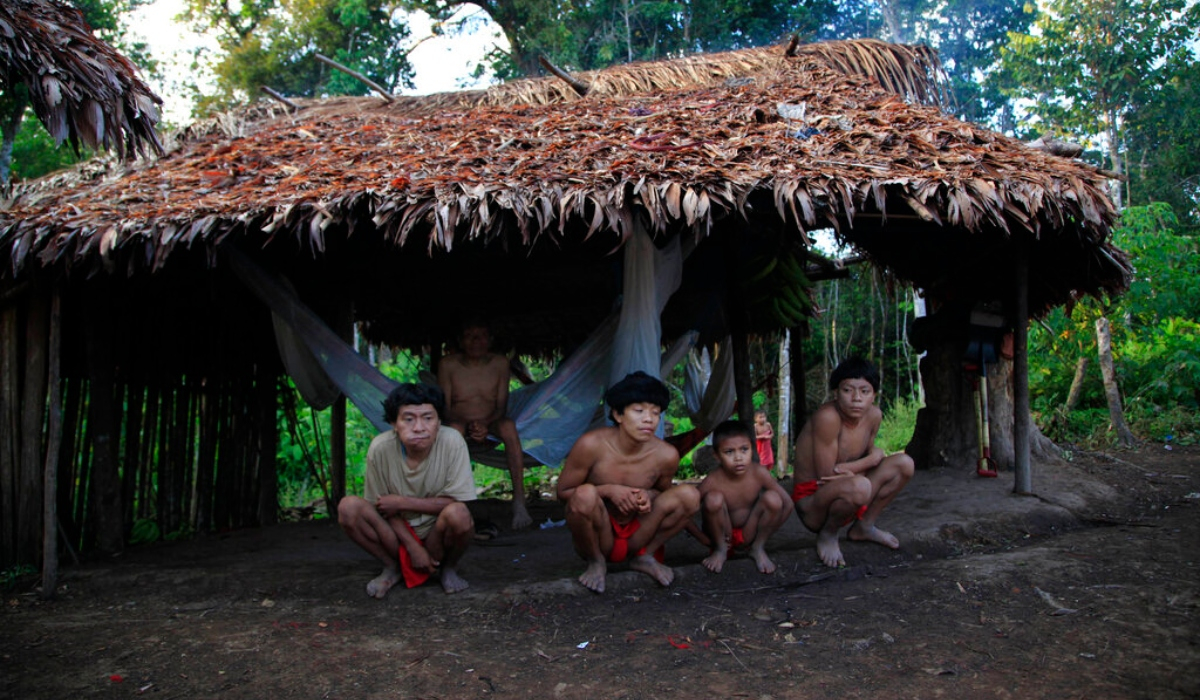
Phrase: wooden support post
[344,326]
[736,315]
[1023,480]
[581,88]
[357,76]
[279,98]
[799,379]
[53,442]
[33,414]
[783,429]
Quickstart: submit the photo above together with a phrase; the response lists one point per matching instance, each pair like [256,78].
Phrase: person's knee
[772,502]
[585,499]
[713,502]
[860,493]
[688,497]
[904,465]
[456,518]
[350,509]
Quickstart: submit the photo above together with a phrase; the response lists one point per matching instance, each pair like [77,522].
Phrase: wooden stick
[792,46]
[279,98]
[357,76]
[53,442]
[580,87]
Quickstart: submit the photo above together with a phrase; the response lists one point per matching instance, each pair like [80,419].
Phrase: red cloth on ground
[766,453]
[804,489]
[621,534]
[412,577]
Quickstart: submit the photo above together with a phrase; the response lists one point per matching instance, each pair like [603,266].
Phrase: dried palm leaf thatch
[80,88]
[805,144]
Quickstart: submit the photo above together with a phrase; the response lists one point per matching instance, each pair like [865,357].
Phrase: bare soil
[1092,597]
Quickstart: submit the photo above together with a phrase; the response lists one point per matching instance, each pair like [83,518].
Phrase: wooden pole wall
[53,443]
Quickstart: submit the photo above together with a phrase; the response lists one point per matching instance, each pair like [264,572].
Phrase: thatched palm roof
[80,87]
[755,141]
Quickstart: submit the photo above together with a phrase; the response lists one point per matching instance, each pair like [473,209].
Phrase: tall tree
[1089,63]
[593,34]
[273,43]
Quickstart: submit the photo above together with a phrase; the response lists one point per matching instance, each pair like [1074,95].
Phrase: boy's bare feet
[869,533]
[379,586]
[648,565]
[716,561]
[452,582]
[762,561]
[593,577]
[828,549]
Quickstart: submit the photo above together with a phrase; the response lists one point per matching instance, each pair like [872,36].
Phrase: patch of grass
[897,427]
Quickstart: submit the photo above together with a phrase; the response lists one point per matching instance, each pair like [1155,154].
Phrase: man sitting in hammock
[475,381]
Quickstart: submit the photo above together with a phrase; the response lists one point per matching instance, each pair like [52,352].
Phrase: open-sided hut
[512,203]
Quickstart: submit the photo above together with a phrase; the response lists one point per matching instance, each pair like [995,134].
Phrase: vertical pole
[53,442]
[1021,470]
[337,420]
[784,427]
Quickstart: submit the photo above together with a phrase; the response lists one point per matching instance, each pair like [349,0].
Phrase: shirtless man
[616,484]
[841,476]
[475,381]
[741,502]
[413,518]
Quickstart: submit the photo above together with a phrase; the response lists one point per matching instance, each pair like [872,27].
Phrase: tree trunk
[1112,392]
[946,435]
[1076,387]
[13,110]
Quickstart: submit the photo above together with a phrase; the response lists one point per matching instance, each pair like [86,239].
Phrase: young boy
[763,435]
[842,478]
[741,502]
[616,484]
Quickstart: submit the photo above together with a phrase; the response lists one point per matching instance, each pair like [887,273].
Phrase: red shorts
[804,489]
[412,577]
[737,538]
[621,534]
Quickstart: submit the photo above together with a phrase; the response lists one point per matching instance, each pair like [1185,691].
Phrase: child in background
[741,503]
[763,435]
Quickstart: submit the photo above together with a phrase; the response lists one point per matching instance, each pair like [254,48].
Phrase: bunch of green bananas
[777,284]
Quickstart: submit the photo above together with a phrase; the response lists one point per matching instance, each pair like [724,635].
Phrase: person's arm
[501,398]
[446,382]
[578,466]
[874,454]
[826,426]
[668,467]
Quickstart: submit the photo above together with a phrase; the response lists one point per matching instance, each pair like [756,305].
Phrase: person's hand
[477,431]
[421,561]
[630,501]
[838,473]
[389,505]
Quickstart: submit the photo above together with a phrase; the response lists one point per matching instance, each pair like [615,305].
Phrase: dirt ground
[1088,590]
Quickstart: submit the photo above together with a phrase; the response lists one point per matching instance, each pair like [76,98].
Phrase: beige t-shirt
[445,472]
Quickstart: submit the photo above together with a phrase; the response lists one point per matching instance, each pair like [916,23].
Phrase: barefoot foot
[716,561]
[593,577]
[762,561]
[869,533]
[452,582]
[649,565]
[521,518]
[381,584]
[828,549]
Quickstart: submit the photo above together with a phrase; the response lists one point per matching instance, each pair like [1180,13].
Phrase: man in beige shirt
[413,516]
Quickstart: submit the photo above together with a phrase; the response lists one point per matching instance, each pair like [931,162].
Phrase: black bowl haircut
[855,368]
[637,387]
[413,395]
